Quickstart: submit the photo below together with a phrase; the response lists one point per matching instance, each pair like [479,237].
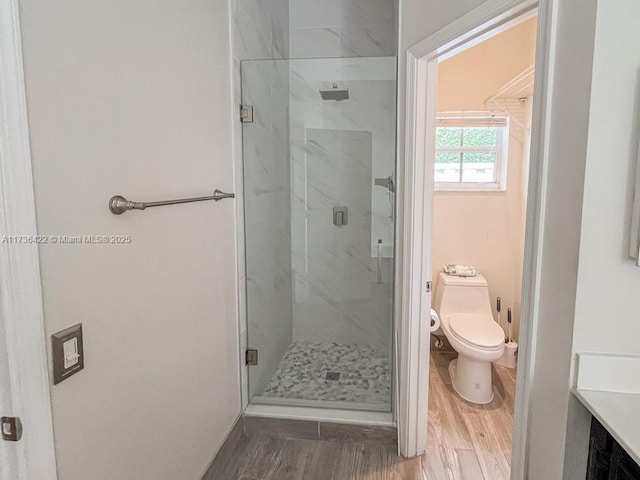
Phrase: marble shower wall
[342,28]
[268,214]
[337,150]
[261,31]
[281,29]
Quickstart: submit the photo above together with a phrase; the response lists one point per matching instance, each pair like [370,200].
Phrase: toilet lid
[476,329]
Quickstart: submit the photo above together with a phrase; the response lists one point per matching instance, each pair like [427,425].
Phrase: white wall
[486,229]
[468,79]
[133,99]
[607,302]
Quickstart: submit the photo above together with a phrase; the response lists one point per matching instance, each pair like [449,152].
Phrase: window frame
[469,120]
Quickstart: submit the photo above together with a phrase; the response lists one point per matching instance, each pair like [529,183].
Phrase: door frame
[21,308]
[420,116]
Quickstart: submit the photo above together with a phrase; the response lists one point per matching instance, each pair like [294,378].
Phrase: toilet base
[472,380]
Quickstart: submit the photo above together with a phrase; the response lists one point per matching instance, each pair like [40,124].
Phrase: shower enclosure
[319,163]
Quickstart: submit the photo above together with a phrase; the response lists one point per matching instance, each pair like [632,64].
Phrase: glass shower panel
[319,163]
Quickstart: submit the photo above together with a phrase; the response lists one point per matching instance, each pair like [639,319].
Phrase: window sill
[470,187]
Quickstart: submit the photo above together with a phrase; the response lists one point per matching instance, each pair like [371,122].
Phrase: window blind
[471,119]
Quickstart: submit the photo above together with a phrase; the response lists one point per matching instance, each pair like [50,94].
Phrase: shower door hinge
[251,357]
[428,287]
[246,113]
[11,429]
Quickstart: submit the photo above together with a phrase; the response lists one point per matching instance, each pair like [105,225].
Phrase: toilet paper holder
[435,321]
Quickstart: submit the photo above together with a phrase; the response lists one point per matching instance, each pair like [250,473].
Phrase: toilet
[465,313]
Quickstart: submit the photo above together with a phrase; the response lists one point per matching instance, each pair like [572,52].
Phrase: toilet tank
[462,295]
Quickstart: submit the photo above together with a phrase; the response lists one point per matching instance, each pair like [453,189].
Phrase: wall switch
[71,355]
[67,353]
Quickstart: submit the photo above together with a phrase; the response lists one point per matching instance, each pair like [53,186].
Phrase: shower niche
[319,230]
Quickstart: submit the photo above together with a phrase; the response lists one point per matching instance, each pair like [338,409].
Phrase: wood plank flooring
[465,442]
[474,441]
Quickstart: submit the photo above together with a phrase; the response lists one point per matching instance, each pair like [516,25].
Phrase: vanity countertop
[619,413]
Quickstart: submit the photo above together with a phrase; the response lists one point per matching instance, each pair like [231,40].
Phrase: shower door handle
[340,216]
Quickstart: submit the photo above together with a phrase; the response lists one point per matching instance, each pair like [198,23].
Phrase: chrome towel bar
[118,204]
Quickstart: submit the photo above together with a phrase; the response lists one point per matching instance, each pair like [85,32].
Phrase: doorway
[9,467]
[480,179]
[417,282]
[24,382]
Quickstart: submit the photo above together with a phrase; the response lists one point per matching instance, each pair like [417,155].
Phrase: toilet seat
[477,330]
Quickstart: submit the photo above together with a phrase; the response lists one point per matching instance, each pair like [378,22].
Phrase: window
[471,151]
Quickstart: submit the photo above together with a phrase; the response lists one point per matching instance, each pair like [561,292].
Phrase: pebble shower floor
[308,371]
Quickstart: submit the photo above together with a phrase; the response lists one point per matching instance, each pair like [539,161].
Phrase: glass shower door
[319,160]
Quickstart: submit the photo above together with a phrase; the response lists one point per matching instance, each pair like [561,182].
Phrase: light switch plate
[67,352]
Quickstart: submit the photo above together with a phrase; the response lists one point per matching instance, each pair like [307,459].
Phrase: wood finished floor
[468,441]
[465,442]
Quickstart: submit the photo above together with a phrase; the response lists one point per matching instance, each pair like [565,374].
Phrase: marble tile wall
[261,31]
[270,281]
[267,216]
[337,149]
[342,28]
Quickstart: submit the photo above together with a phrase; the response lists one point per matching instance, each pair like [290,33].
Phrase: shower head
[334,93]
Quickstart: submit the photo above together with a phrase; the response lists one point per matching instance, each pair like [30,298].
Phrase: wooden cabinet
[622,465]
[607,459]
